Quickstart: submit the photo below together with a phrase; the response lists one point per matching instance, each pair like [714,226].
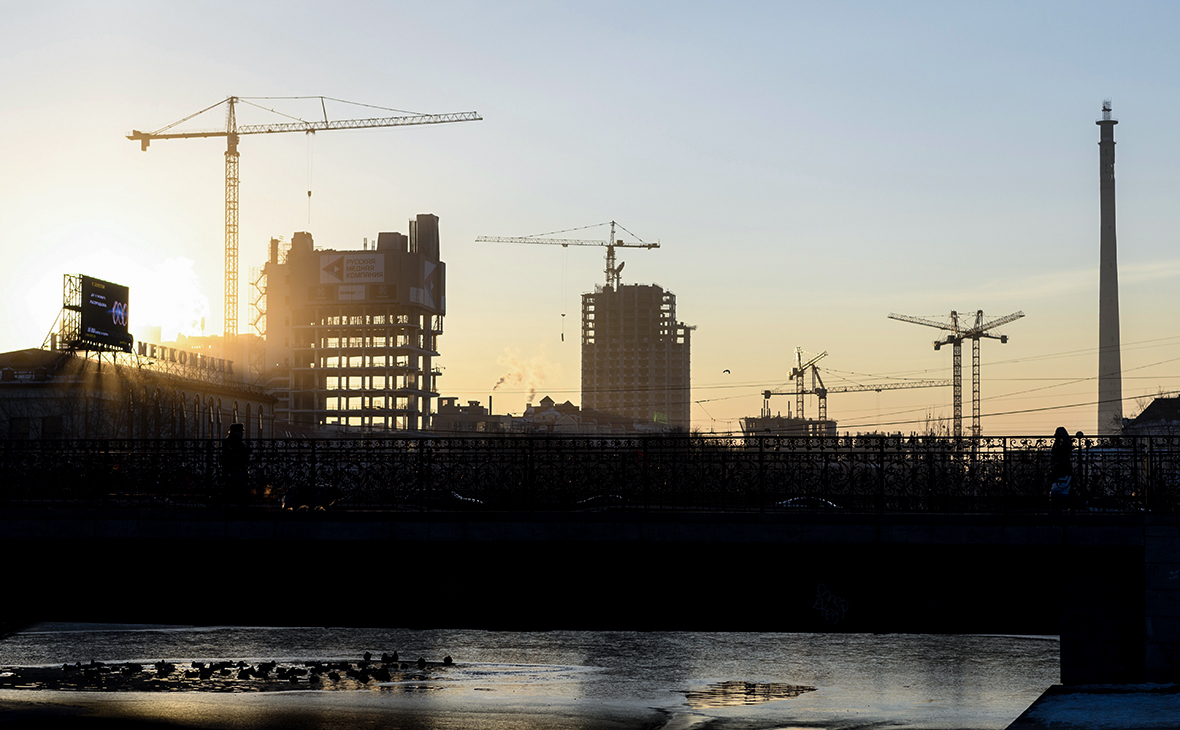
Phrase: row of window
[361,403]
[370,382]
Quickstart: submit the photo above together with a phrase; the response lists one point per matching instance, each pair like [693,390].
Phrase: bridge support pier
[1102,627]
[1120,605]
[1162,599]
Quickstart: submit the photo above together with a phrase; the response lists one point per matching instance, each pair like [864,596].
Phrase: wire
[274,111]
[637,238]
[190,116]
[582,228]
[565,254]
[342,101]
[310,136]
[706,410]
[566,230]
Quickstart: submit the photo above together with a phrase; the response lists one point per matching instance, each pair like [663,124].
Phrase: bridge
[877,534]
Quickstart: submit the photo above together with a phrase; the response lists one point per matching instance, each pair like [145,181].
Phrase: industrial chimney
[1110,382]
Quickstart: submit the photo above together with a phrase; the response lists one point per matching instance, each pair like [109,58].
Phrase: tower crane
[613,277]
[956,333]
[797,374]
[821,392]
[233,132]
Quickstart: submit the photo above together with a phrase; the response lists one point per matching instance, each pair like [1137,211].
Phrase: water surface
[561,679]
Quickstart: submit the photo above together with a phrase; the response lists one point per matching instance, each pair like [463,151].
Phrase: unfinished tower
[635,355]
[1110,383]
[352,335]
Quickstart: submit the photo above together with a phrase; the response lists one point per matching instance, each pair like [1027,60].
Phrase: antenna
[1106,109]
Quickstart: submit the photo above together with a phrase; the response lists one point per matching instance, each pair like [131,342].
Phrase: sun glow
[166,297]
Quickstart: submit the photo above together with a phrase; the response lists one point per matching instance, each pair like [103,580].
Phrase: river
[552,679]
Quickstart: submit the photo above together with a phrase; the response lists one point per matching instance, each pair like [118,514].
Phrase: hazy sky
[807,167]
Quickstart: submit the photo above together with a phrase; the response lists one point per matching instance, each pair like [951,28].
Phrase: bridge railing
[427,472]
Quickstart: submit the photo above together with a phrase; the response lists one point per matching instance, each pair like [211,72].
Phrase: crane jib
[402,121]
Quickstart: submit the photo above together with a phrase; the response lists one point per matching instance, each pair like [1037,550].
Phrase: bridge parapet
[847,473]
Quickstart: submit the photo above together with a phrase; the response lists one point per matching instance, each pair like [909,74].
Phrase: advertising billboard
[104,316]
[352,268]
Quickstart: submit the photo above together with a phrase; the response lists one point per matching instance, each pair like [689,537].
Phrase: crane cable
[564,258]
[310,135]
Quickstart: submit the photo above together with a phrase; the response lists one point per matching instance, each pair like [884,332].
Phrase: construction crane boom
[997,322]
[958,333]
[613,273]
[889,386]
[822,392]
[562,241]
[922,320]
[233,132]
[145,138]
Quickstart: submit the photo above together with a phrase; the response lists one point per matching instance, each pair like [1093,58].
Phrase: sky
[808,169]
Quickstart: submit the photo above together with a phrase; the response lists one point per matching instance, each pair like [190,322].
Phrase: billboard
[104,316]
[376,277]
[352,268]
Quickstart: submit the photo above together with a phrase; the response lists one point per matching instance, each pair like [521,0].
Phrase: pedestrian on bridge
[235,465]
[1061,470]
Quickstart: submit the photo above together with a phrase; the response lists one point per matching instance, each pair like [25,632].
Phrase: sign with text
[352,268]
[104,315]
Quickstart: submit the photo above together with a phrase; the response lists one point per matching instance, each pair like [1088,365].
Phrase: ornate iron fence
[532,472]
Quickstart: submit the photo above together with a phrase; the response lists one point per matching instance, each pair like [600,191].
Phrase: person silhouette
[1061,470]
[235,465]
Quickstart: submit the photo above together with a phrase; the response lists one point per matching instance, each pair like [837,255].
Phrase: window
[18,428]
[51,427]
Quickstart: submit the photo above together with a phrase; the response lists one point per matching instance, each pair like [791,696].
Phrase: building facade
[635,354]
[351,336]
[753,426]
[68,394]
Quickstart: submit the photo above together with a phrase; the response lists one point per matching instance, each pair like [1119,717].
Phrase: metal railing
[552,472]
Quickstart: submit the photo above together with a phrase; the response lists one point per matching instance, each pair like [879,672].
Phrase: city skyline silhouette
[807,170]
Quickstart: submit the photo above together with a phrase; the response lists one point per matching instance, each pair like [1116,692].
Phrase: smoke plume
[527,374]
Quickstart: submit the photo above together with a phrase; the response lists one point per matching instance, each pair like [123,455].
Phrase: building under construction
[351,336]
[635,355]
[780,425]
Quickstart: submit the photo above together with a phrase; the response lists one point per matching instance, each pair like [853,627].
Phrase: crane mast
[233,133]
[797,374]
[231,222]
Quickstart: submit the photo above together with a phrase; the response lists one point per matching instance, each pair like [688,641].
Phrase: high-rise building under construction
[635,355]
[351,335]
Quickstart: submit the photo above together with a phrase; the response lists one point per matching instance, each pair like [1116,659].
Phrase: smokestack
[1110,375]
